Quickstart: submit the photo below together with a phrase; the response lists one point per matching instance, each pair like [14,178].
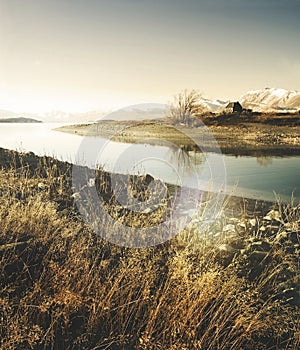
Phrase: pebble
[273,215]
[41,185]
[226,248]
[76,195]
[91,182]
[229,227]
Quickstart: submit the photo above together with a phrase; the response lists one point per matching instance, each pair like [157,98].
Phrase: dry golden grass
[63,287]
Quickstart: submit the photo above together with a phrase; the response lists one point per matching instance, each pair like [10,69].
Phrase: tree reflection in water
[186,158]
[264,160]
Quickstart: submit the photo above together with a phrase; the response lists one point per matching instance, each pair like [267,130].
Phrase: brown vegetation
[275,119]
[63,287]
[186,107]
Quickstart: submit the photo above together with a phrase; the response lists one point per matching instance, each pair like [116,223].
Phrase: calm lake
[251,177]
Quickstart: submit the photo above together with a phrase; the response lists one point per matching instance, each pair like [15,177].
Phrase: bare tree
[186,107]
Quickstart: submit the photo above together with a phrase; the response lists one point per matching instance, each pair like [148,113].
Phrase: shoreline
[34,163]
[245,139]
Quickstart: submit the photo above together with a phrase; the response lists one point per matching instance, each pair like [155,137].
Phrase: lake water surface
[247,176]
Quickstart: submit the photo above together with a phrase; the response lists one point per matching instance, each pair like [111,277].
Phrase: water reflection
[264,160]
[257,177]
[185,158]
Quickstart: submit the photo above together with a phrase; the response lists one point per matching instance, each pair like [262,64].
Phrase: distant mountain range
[265,100]
[270,98]
[53,116]
[139,112]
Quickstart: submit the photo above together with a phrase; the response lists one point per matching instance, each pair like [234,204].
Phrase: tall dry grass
[63,287]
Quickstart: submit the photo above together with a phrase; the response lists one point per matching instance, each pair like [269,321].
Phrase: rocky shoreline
[37,164]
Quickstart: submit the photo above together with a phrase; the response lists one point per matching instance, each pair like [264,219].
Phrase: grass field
[63,287]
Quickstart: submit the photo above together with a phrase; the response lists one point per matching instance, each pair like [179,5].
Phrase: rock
[229,227]
[91,182]
[76,195]
[273,215]
[41,186]
[226,248]
[147,211]
[253,222]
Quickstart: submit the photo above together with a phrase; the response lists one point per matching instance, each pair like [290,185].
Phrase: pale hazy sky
[76,55]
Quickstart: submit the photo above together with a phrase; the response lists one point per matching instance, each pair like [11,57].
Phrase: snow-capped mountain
[213,105]
[137,112]
[264,100]
[271,98]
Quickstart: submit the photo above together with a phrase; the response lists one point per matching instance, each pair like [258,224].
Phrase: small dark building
[234,107]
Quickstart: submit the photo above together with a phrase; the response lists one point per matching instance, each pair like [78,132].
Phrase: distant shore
[19,120]
[276,136]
